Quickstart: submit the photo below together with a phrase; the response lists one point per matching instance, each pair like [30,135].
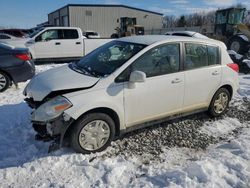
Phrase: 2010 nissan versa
[127,82]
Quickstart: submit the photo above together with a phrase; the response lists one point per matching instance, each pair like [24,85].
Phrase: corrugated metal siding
[62,12]
[104,19]
[52,17]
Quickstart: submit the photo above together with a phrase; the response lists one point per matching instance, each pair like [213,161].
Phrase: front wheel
[92,133]
[219,103]
[5,81]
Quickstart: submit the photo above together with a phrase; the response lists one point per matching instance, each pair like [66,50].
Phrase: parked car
[91,34]
[186,34]
[4,36]
[242,61]
[128,83]
[15,66]
[58,44]
[21,33]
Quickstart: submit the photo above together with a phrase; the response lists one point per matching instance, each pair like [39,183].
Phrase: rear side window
[196,56]
[70,34]
[213,55]
[200,55]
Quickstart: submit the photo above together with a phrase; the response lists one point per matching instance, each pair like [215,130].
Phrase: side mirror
[30,41]
[38,39]
[137,76]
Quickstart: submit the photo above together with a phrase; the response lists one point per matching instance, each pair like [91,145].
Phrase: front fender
[84,102]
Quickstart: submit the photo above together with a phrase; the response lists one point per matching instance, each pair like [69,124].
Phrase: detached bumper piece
[52,131]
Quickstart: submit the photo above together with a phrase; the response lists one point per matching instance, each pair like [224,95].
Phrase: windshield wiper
[88,71]
[79,69]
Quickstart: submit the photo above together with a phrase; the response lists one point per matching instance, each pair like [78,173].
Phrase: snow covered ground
[24,162]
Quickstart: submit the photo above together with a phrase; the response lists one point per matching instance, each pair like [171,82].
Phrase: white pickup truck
[58,44]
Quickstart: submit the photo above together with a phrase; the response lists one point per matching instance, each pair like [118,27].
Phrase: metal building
[103,18]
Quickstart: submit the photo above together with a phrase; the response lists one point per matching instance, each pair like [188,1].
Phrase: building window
[88,13]
[65,21]
[56,22]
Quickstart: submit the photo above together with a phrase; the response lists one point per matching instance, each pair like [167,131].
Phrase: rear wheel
[92,133]
[5,81]
[219,103]
[238,45]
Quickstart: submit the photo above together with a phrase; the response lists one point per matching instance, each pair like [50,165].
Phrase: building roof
[150,39]
[107,5]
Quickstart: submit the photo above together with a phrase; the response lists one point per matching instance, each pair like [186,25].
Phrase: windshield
[35,32]
[235,16]
[106,59]
[221,17]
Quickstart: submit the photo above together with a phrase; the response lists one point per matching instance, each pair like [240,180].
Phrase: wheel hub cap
[220,103]
[2,81]
[235,46]
[94,135]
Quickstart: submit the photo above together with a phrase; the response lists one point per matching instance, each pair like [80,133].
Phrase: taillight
[233,66]
[24,57]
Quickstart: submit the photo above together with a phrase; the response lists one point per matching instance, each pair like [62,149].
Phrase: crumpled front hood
[57,79]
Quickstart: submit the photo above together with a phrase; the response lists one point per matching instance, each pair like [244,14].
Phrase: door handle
[78,42]
[215,73]
[57,43]
[175,81]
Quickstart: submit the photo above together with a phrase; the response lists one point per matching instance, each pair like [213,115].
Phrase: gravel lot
[184,132]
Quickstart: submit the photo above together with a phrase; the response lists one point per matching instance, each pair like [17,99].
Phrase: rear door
[162,92]
[202,74]
[71,43]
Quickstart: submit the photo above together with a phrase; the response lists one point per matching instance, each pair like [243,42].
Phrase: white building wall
[104,20]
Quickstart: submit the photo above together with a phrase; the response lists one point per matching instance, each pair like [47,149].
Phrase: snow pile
[221,127]
[25,162]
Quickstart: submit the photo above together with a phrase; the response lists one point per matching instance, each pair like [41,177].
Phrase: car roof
[189,33]
[150,39]
[59,27]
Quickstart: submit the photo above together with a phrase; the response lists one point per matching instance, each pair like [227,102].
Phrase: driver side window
[164,59]
[49,35]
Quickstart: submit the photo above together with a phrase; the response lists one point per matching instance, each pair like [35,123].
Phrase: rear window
[200,55]
[6,46]
[4,37]
[70,34]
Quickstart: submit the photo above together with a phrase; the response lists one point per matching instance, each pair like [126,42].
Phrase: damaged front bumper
[54,130]
[49,119]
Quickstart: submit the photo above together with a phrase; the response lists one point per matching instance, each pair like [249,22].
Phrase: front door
[47,44]
[162,92]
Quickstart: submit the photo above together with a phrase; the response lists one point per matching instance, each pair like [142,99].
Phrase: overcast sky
[29,13]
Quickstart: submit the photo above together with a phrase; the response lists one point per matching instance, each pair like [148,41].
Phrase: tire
[245,71]
[86,133]
[216,109]
[5,81]
[237,44]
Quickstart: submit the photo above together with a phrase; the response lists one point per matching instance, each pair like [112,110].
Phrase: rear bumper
[21,73]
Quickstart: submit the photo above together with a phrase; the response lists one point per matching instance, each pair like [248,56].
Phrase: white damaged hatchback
[129,83]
